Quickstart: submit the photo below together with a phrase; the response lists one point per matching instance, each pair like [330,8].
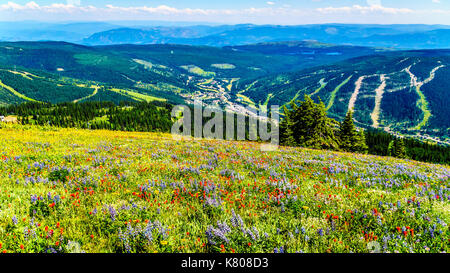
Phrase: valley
[381,89]
[394,91]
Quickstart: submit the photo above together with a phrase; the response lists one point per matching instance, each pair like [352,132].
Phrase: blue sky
[232,11]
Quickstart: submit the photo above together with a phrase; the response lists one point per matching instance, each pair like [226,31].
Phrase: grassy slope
[335,91]
[118,181]
[14,92]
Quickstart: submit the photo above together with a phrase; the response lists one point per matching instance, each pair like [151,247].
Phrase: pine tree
[397,148]
[311,127]
[286,134]
[400,148]
[347,133]
[360,145]
[391,148]
[350,139]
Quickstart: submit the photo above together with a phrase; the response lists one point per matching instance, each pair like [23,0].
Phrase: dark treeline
[379,143]
[126,116]
[306,124]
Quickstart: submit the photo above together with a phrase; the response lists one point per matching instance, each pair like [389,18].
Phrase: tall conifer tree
[350,139]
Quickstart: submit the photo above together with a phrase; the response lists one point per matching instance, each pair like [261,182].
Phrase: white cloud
[373,12]
[364,9]
[163,9]
[74,2]
[70,6]
[16,7]
[374,2]
[75,5]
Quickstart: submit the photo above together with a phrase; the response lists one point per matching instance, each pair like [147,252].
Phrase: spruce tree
[360,145]
[347,133]
[311,127]
[391,148]
[400,148]
[350,139]
[286,134]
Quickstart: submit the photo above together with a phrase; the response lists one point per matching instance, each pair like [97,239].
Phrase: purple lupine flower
[148,232]
[34,199]
[255,232]
[250,233]
[56,199]
[210,235]
[123,237]
[223,227]
[219,233]
[320,232]
[112,213]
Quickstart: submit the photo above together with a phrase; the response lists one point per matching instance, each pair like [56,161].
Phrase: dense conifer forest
[126,116]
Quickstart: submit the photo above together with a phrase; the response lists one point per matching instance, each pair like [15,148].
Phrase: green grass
[263,106]
[246,100]
[322,86]
[333,94]
[135,95]
[93,59]
[198,71]
[423,105]
[223,66]
[94,189]
[96,88]
[14,92]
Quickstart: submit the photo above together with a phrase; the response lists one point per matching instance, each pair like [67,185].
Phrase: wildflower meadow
[70,191]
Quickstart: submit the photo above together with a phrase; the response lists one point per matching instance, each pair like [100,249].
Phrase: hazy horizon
[203,23]
[283,12]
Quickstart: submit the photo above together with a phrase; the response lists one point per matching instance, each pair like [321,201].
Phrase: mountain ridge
[395,36]
[400,36]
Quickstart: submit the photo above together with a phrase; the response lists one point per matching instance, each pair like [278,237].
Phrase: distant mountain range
[392,36]
[73,32]
[39,31]
[110,33]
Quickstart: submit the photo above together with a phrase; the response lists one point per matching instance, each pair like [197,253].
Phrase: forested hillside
[402,92]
